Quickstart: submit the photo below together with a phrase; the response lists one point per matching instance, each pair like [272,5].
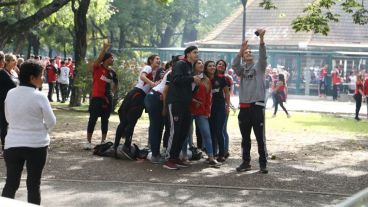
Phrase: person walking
[179,98]
[51,78]
[358,95]
[27,139]
[251,97]
[104,87]
[280,93]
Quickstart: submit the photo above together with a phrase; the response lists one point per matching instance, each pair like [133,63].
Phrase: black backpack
[101,149]
[196,153]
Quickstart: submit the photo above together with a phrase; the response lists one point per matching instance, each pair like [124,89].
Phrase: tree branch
[7,30]
[94,24]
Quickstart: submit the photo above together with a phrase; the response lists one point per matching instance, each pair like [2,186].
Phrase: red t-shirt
[201,101]
[71,67]
[358,85]
[102,80]
[336,77]
[51,73]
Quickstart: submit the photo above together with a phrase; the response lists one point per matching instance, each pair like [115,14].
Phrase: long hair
[206,65]
[225,64]
[150,59]
[282,78]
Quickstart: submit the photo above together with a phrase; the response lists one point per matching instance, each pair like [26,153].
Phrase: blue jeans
[217,123]
[204,127]
[154,108]
[226,135]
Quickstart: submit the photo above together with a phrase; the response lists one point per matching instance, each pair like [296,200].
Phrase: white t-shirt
[160,87]
[29,120]
[149,74]
[64,75]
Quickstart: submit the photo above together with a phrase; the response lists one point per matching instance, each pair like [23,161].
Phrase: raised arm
[105,47]
[236,62]
[262,59]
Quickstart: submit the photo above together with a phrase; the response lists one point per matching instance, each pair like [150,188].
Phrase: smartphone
[256,33]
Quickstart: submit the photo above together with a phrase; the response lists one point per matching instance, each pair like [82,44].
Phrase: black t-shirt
[111,75]
[7,82]
[159,74]
[218,84]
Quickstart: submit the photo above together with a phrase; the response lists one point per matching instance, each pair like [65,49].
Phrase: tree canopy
[320,13]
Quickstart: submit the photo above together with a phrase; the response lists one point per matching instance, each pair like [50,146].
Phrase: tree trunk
[122,40]
[169,31]
[80,45]
[36,45]
[190,33]
[50,52]
[7,30]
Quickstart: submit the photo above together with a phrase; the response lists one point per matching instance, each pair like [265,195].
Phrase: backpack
[102,149]
[135,152]
[196,153]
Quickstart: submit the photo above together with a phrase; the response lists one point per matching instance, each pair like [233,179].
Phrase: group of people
[60,77]
[186,89]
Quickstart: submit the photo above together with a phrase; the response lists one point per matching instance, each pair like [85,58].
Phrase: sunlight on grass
[299,121]
[309,122]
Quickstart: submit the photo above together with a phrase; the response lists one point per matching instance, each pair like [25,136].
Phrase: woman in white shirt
[27,140]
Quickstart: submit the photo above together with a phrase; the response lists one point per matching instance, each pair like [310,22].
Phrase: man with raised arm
[251,98]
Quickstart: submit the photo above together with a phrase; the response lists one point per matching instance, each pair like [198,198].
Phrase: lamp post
[244,2]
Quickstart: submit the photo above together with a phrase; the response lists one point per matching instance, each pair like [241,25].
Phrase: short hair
[62,62]
[151,58]
[189,50]
[30,68]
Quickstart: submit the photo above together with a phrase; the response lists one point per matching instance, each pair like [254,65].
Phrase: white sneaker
[87,146]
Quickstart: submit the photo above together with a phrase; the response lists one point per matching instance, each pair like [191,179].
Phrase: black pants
[70,86]
[64,91]
[57,90]
[99,107]
[129,112]
[3,127]
[253,117]
[35,159]
[180,119]
[358,103]
[279,102]
[334,92]
[51,91]
[167,131]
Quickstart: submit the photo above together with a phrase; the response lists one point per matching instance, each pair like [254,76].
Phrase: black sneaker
[357,118]
[214,164]
[245,166]
[227,155]
[263,170]
[221,159]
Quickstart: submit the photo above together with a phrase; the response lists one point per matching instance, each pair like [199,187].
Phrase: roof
[279,35]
